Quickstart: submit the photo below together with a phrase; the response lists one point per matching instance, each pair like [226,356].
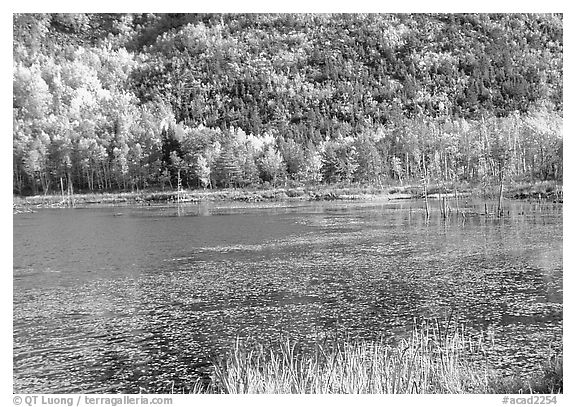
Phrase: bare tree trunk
[34,184]
[524,162]
[43,184]
[440,201]
[104,176]
[18,178]
[456,199]
[426,198]
[407,166]
[426,191]
[444,200]
[445,167]
[70,190]
[62,189]
[99,180]
[45,181]
[500,210]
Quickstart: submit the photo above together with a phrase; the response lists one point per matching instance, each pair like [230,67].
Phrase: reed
[432,359]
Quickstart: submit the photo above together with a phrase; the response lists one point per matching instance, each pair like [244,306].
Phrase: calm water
[141,299]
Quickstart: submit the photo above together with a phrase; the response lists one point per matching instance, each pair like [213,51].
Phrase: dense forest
[107,102]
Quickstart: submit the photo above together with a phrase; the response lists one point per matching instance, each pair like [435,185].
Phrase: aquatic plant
[430,360]
[433,359]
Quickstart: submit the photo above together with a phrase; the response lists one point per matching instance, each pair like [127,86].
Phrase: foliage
[203,171]
[126,101]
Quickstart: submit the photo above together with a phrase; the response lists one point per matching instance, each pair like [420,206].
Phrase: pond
[130,299]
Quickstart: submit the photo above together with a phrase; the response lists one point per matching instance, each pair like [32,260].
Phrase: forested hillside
[121,102]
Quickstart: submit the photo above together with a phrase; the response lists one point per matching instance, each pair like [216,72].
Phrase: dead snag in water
[456,199]
[426,198]
[500,197]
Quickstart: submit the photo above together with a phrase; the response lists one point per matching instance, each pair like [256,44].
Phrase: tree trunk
[445,167]
[500,196]
[426,198]
[426,190]
[70,190]
[407,166]
[456,199]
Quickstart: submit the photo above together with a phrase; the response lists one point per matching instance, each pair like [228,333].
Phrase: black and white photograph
[286,203]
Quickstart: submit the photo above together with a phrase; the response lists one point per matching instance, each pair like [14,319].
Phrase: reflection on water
[140,299]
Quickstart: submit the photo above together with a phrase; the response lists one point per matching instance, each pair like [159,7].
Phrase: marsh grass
[432,359]
[548,381]
[549,190]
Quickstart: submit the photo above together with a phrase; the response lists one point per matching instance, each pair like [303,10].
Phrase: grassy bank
[431,360]
[540,190]
[320,193]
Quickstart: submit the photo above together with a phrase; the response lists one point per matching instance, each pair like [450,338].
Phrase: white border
[296,6]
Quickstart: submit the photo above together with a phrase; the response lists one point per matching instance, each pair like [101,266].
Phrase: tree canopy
[124,101]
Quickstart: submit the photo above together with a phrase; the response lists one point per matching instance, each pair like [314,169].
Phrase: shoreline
[542,191]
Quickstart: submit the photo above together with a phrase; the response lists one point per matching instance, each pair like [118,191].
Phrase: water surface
[143,299]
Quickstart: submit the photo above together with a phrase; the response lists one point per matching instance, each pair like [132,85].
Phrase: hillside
[107,102]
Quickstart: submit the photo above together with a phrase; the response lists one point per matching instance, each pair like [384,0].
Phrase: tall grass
[549,380]
[430,360]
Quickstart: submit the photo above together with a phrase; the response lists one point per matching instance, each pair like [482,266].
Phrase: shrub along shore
[432,360]
[548,191]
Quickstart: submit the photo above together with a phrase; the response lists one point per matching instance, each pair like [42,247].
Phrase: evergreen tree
[330,164]
[228,170]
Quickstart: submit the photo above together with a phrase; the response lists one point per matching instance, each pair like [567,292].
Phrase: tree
[330,163]
[368,159]
[347,161]
[396,165]
[228,171]
[120,163]
[313,167]
[212,154]
[36,162]
[250,173]
[135,161]
[203,171]
[171,149]
[500,154]
[342,98]
[31,95]
[271,165]
[293,156]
